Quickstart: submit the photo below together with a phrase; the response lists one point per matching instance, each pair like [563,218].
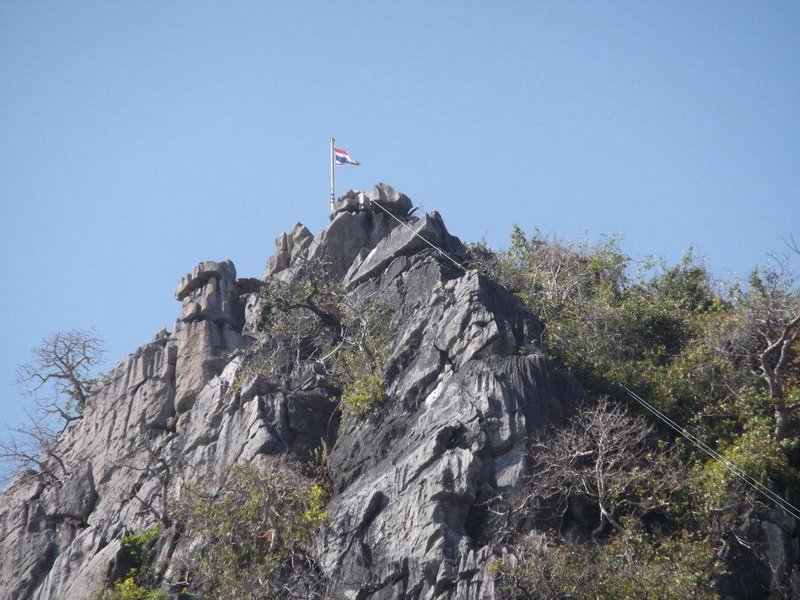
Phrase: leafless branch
[34,447]
[604,457]
[61,367]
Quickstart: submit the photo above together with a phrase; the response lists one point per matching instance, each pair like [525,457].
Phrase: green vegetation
[720,359]
[257,527]
[646,512]
[631,566]
[137,545]
[756,453]
[358,364]
[711,356]
[137,582]
[128,589]
[311,322]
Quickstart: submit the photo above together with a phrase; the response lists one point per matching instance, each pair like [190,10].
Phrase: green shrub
[257,531]
[136,544]
[758,455]
[363,395]
[128,589]
[312,319]
[632,566]
[134,584]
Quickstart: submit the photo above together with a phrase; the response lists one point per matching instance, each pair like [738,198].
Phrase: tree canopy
[719,359]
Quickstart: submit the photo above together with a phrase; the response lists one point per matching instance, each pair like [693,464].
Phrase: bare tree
[792,244]
[59,375]
[603,456]
[34,447]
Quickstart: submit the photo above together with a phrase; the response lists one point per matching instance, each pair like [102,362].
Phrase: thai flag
[341,157]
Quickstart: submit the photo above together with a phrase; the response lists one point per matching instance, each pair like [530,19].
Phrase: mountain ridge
[467,386]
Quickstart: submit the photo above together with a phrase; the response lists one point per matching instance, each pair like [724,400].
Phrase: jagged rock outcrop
[208,329]
[761,552]
[287,248]
[381,198]
[409,519]
[59,538]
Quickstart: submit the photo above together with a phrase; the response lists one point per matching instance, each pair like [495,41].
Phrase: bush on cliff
[257,526]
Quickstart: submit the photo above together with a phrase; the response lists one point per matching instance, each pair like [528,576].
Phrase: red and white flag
[341,157]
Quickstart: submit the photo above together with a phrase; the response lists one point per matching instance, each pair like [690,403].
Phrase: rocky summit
[467,386]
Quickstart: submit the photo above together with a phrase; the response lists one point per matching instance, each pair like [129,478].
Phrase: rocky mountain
[467,387]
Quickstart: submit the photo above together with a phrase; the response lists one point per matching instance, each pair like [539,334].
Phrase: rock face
[408,519]
[761,552]
[381,198]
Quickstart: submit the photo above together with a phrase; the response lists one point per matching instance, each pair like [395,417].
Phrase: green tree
[607,326]
[756,454]
[723,361]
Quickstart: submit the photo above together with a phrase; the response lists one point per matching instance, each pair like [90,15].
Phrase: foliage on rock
[138,583]
[720,359]
[311,320]
[758,456]
[257,526]
[632,566]
[700,351]
[442,487]
[128,589]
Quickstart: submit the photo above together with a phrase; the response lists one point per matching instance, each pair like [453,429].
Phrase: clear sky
[139,138]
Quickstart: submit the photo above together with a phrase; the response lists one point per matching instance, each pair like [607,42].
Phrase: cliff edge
[466,386]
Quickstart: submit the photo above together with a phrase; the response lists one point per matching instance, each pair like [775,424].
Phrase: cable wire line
[782,503]
[407,226]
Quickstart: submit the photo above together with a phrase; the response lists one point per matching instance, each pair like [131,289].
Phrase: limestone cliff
[467,387]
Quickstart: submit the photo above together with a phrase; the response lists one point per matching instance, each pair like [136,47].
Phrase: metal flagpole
[333,196]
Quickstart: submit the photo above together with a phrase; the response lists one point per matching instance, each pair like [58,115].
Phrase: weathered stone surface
[404,523]
[381,198]
[288,247]
[350,201]
[210,293]
[58,538]
[203,347]
[390,199]
[760,553]
[413,491]
[202,273]
[348,235]
[209,329]
[428,233]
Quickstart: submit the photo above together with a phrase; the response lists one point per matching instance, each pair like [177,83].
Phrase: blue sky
[139,138]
